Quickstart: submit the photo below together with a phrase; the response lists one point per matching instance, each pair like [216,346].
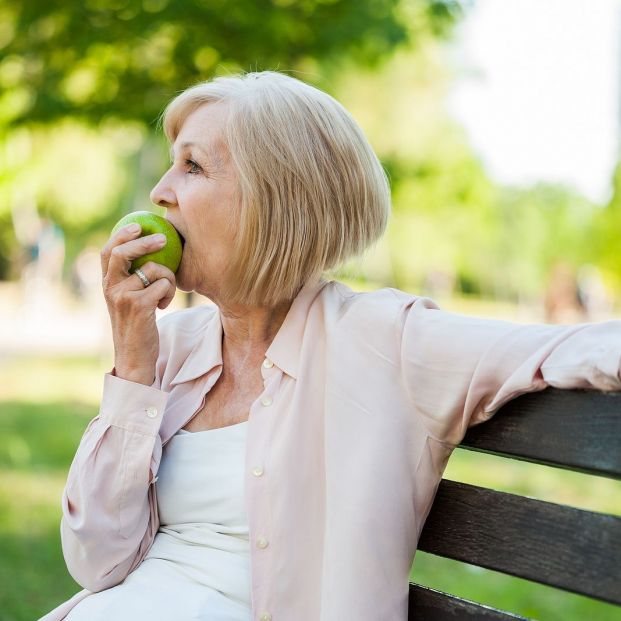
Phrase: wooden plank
[563,547]
[573,429]
[427,604]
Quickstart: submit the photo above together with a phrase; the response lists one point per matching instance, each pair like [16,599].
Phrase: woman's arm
[460,370]
[109,516]
[106,519]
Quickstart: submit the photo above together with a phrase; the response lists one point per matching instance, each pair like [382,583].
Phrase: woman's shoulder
[380,311]
[383,302]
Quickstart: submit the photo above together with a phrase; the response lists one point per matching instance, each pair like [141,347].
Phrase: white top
[198,568]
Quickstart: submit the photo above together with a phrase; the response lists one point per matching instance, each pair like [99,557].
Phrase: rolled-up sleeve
[459,370]
[105,505]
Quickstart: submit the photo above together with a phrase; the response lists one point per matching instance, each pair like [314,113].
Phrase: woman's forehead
[203,124]
[202,130]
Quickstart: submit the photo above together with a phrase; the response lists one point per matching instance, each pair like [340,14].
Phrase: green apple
[170,254]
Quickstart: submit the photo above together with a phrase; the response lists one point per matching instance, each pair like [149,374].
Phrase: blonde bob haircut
[311,191]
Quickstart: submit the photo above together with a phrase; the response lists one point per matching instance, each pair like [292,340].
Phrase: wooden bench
[552,544]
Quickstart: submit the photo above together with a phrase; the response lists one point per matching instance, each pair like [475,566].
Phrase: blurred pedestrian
[562,302]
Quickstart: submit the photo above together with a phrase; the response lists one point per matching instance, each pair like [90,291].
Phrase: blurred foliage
[124,58]
[452,226]
[607,231]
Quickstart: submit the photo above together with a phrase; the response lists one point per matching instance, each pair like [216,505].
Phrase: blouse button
[266,616]
[258,471]
[265,401]
[151,412]
[267,364]
[262,543]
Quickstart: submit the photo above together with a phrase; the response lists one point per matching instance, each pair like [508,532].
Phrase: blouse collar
[284,350]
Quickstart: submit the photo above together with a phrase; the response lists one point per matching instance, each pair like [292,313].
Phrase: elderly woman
[274,455]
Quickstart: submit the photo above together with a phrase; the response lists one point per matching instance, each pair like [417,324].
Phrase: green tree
[125,58]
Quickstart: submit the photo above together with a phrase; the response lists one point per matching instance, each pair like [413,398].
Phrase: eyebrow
[211,153]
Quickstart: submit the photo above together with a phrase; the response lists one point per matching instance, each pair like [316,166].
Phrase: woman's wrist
[136,376]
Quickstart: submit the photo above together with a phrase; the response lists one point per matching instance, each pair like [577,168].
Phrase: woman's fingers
[163,285]
[123,235]
[121,256]
[117,258]
[131,292]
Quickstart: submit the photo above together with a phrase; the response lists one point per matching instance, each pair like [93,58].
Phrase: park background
[497,122]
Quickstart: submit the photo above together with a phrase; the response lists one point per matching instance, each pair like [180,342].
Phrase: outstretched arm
[460,370]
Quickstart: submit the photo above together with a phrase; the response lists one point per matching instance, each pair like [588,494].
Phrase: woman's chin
[180,280]
[181,277]
[181,284]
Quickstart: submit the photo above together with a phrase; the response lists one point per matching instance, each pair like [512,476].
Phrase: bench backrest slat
[563,547]
[548,543]
[429,605]
[574,430]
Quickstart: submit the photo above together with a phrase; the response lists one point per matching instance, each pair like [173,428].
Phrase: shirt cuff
[132,406]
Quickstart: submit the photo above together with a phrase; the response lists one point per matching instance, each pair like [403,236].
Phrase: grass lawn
[45,405]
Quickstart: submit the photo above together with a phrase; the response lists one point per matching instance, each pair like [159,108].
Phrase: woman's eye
[193,167]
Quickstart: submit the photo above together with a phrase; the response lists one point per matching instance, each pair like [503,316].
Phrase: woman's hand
[131,305]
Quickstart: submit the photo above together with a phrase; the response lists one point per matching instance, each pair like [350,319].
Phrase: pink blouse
[365,397]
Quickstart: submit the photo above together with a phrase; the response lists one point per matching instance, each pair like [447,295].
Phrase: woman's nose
[162,194]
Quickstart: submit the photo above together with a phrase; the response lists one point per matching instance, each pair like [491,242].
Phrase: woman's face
[198,190]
